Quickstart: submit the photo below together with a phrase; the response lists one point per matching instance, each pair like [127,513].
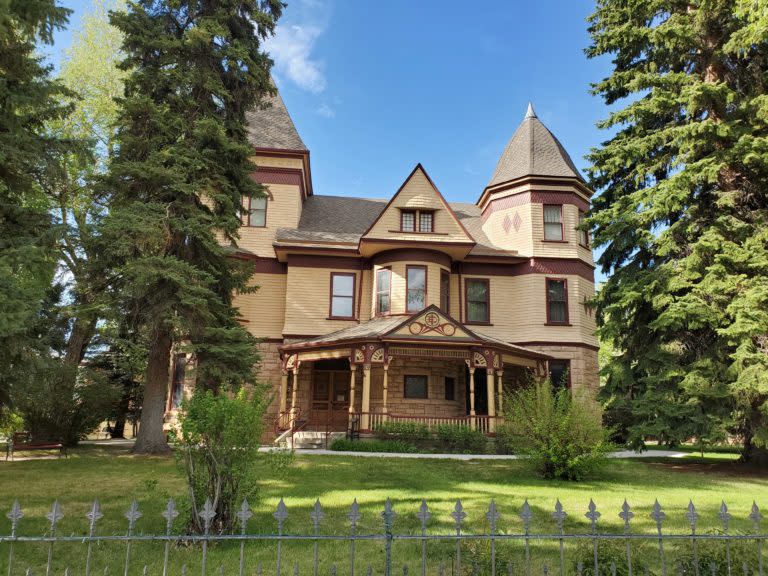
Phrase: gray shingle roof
[533,151]
[345,219]
[270,126]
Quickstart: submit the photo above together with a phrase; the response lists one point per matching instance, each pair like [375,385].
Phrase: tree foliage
[682,216]
[177,180]
[29,161]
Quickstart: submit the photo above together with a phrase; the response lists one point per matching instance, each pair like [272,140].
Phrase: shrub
[409,431]
[217,443]
[61,403]
[344,445]
[561,432]
[713,557]
[461,439]
[610,552]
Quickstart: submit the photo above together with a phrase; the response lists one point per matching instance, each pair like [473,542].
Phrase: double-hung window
[383,289]
[416,288]
[478,300]
[445,291]
[553,222]
[342,295]
[557,301]
[257,211]
[583,234]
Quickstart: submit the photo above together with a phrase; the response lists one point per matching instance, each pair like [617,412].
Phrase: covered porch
[426,368]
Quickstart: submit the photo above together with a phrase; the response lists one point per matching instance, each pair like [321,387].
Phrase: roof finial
[530,113]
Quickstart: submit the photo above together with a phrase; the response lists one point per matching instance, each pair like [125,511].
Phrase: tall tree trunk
[80,339]
[151,439]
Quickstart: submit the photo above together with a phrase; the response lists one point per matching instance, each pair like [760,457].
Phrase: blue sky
[376,87]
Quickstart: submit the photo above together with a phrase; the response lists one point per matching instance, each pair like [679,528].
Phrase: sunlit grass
[115,478]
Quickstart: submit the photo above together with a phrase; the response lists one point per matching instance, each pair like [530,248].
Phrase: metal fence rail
[430,547]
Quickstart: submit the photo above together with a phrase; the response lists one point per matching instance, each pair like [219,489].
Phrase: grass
[114,477]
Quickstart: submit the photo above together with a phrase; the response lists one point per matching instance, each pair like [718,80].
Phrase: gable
[431,324]
[418,192]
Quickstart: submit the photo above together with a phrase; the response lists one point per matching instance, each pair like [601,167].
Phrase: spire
[530,113]
[270,126]
[533,151]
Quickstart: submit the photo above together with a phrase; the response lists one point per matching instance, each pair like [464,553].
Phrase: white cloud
[326,111]
[293,43]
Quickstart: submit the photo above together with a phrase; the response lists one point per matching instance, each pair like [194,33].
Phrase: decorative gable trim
[440,197]
[431,324]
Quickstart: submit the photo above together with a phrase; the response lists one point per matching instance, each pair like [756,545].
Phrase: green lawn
[115,478]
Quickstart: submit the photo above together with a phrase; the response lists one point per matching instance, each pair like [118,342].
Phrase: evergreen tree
[182,167]
[29,160]
[683,216]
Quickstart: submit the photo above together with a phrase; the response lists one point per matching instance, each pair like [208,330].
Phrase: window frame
[331,315]
[426,386]
[487,282]
[447,309]
[567,363]
[408,267]
[583,234]
[550,322]
[431,214]
[562,223]
[266,206]
[389,292]
[415,220]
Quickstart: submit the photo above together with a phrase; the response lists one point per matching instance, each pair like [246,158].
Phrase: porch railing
[482,422]
[398,538]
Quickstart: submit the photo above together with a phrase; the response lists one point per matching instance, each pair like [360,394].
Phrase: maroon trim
[411,255]
[271,341]
[533,197]
[399,241]
[439,195]
[559,344]
[338,262]
[283,176]
[562,223]
[426,284]
[261,265]
[555,266]
[303,155]
[330,300]
[352,251]
[546,289]
[443,274]
[460,272]
[487,282]
[376,292]
[532,179]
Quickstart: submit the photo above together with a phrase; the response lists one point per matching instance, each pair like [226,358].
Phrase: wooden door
[330,400]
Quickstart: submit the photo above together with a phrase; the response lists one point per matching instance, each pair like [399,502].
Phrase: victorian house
[408,306]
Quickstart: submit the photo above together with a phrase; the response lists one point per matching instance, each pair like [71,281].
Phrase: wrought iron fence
[431,546]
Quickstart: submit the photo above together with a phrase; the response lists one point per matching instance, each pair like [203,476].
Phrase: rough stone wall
[584,367]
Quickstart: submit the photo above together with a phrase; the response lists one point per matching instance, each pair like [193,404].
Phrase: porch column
[283,391]
[352,371]
[365,423]
[386,384]
[472,395]
[491,404]
[294,390]
[499,374]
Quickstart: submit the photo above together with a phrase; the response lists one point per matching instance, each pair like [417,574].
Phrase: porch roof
[429,326]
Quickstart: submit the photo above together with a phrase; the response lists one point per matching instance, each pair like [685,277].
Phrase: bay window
[557,301]
[383,290]
[553,222]
[416,288]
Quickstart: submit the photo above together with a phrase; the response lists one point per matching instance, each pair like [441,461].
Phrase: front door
[330,400]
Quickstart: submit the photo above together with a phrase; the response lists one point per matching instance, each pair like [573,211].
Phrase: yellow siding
[519,313]
[521,239]
[308,297]
[278,162]
[420,194]
[397,294]
[283,211]
[264,310]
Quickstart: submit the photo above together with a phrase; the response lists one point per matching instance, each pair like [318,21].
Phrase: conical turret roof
[271,127]
[533,151]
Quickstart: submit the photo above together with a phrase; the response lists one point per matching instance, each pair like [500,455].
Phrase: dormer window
[425,221]
[417,221]
[408,221]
